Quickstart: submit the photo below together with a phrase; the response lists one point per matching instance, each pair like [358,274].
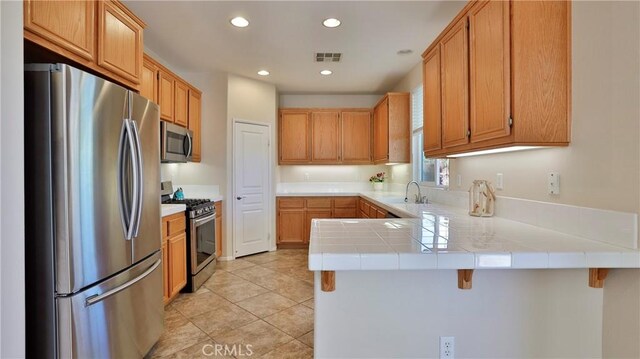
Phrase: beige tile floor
[265,300]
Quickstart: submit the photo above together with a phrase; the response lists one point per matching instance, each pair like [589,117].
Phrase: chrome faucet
[420,199]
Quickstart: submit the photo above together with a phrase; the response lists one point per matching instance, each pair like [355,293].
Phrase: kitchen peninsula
[444,273]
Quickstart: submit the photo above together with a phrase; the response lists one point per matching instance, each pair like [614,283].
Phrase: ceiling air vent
[328,56]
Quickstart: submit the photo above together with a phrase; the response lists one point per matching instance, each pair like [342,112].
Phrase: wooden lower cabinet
[291,227]
[177,263]
[174,255]
[219,229]
[295,214]
[370,210]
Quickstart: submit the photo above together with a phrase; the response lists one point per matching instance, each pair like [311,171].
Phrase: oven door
[203,242]
[177,143]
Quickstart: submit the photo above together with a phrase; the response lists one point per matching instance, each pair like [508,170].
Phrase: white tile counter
[169,209]
[444,237]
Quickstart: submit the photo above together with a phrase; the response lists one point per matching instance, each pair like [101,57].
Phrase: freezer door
[91,178]
[145,116]
[119,318]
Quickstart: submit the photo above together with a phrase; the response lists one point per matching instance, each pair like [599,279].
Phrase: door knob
[239,197]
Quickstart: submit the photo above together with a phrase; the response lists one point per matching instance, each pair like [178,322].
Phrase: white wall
[12,287]
[326,100]
[507,314]
[338,173]
[254,101]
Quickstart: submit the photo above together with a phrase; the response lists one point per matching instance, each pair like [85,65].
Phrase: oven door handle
[206,219]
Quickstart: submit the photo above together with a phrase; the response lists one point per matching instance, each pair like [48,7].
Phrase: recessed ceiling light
[326,72]
[405,52]
[239,22]
[263,73]
[331,22]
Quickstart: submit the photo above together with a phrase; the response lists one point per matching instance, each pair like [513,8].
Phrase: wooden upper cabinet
[356,136]
[541,60]
[293,128]
[489,70]
[381,131]
[432,109]
[392,129]
[505,77]
[120,44]
[68,24]
[455,86]
[325,136]
[166,85]
[149,80]
[181,104]
[195,123]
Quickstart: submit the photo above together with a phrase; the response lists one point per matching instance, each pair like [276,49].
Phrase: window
[425,170]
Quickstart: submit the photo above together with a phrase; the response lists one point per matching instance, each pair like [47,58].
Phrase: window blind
[416,108]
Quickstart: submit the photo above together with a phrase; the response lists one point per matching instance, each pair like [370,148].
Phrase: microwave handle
[190,145]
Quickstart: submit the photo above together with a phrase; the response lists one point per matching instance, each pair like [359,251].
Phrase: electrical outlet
[447,347]
[459,180]
[553,183]
[306,176]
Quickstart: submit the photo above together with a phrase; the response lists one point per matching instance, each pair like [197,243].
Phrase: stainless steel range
[201,237]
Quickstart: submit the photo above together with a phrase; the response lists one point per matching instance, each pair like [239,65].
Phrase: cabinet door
[195,120]
[119,41]
[381,132]
[177,263]
[432,110]
[294,137]
[356,137]
[455,83]
[68,24]
[166,84]
[181,104]
[165,273]
[291,226]
[149,81]
[489,70]
[399,127]
[325,138]
[310,216]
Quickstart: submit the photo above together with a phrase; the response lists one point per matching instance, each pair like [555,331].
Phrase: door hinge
[510,121]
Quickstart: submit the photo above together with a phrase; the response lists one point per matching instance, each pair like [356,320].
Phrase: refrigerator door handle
[100,297]
[135,181]
[140,170]
[121,200]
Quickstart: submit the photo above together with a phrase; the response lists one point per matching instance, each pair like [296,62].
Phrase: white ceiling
[196,36]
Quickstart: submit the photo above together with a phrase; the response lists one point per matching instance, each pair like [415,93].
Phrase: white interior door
[251,210]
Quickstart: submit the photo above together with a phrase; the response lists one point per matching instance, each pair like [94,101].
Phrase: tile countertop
[169,209]
[445,237]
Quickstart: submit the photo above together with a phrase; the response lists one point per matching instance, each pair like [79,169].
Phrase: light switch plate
[499,181]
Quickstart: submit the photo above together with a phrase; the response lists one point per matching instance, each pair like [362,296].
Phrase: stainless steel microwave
[176,143]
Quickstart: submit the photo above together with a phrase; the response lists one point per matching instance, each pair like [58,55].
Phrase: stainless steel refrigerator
[93,260]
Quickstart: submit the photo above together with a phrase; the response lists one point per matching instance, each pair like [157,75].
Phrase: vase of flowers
[378,181]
